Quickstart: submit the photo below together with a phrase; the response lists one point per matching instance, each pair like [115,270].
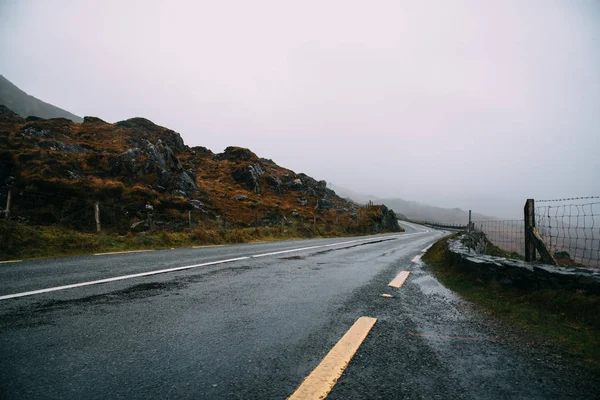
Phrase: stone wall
[522,275]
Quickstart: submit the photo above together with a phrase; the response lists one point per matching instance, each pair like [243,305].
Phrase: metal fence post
[529,214]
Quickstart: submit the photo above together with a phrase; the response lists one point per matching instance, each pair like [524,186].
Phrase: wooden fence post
[8,198]
[190,219]
[97,216]
[529,225]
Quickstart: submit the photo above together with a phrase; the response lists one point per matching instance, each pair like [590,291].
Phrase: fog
[469,104]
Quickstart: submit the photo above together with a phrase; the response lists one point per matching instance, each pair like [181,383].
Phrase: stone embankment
[520,274]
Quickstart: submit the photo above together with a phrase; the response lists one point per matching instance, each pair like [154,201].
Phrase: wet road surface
[256,327]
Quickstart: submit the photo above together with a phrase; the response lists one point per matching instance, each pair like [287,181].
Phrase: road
[251,322]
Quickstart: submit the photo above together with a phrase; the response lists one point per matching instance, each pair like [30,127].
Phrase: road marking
[122,252]
[116,278]
[207,245]
[416,259]
[163,271]
[426,248]
[322,379]
[10,261]
[387,295]
[399,280]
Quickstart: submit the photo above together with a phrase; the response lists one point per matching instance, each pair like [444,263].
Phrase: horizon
[458,105]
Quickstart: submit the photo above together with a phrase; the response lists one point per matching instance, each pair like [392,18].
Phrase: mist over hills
[415,210]
[26,105]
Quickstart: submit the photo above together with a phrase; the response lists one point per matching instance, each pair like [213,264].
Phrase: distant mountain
[350,194]
[414,210]
[25,105]
[423,212]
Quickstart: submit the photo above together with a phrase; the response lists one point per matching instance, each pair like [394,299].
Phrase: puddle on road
[429,286]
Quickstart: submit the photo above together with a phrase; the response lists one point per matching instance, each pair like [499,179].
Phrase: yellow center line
[399,280]
[10,261]
[387,295]
[416,259]
[322,379]
[122,252]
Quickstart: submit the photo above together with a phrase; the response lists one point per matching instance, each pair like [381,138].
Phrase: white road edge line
[163,271]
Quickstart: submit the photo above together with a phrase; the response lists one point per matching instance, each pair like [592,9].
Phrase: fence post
[469,229]
[529,211]
[97,215]
[190,219]
[8,198]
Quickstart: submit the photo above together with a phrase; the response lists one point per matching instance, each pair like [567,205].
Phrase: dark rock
[178,193]
[249,175]
[197,204]
[145,127]
[74,174]
[274,181]
[60,146]
[303,201]
[37,131]
[237,154]
[201,151]
[327,204]
[140,226]
[241,198]
[93,120]
[7,115]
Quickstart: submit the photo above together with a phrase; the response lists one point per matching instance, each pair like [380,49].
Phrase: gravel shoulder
[430,343]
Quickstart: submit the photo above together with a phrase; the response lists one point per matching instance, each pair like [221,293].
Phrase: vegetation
[57,170]
[567,320]
[21,241]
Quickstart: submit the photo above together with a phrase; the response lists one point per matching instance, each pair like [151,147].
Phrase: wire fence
[570,228]
[86,215]
[508,235]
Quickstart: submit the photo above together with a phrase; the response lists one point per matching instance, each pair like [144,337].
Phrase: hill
[417,211]
[25,105]
[146,178]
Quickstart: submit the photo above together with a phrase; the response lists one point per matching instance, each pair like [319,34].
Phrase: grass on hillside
[20,241]
[568,320]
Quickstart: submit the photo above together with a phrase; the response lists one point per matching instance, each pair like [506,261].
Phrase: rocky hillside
[25,105]
[135,165]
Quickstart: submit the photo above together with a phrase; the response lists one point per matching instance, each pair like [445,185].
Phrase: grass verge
[567,320]
[20,241]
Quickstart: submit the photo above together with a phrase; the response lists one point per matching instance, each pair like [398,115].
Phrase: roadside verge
[562,319]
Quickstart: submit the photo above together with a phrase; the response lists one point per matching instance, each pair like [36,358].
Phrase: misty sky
[470,104]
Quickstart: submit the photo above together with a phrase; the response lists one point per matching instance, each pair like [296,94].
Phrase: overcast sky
[470,104]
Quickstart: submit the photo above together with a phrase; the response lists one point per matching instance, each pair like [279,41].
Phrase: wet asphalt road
[254,328]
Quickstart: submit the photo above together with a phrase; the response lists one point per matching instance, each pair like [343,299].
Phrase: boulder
[324,203]
[249,175]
